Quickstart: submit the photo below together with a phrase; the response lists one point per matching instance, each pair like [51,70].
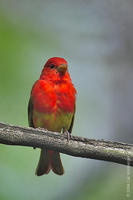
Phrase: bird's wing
[71,126]
[30,113]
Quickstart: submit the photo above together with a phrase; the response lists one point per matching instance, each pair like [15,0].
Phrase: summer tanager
[52,107]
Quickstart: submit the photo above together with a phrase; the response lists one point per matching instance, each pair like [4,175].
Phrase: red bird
[52,107]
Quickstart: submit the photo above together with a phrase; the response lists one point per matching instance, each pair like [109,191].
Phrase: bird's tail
[49,160]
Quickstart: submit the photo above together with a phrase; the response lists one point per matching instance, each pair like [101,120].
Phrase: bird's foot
[42,129]
[68,135]
[65,131]
[62,131]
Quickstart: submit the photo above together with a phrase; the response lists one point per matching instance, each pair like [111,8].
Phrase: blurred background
[95,37]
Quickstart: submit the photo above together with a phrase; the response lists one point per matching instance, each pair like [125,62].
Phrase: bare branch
[121,153]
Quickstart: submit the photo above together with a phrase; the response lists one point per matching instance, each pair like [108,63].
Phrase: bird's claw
[42,129]
[68,135]
[65,131]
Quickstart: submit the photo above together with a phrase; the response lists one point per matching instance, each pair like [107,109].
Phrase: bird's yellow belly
[52,121]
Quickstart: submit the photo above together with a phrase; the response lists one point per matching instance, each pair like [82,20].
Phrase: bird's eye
[52,66]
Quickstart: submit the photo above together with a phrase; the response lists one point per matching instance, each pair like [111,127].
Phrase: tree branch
[121,153]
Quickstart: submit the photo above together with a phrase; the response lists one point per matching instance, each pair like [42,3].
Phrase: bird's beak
[62,68]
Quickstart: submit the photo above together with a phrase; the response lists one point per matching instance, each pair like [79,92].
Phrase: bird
[52,106]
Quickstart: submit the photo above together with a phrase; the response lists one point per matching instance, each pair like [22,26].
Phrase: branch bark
[121,153]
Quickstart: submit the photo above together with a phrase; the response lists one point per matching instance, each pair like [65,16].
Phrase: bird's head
[54,68]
